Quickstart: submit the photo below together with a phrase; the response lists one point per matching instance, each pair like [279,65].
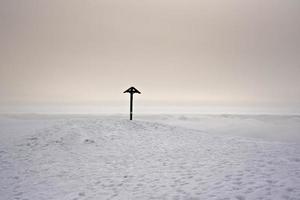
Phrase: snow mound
[120,159]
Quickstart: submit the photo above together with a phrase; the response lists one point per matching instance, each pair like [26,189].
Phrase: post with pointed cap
[131,90]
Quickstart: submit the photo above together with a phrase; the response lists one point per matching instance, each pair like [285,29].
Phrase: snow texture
[113,158]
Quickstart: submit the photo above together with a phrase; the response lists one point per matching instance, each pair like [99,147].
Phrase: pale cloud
[80,51]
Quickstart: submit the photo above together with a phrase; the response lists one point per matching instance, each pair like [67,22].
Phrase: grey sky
[74,51]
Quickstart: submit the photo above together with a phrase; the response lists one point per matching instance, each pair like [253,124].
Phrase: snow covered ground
[282,128]
[154,157]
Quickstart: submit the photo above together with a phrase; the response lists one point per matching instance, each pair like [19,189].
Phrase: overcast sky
[74,51]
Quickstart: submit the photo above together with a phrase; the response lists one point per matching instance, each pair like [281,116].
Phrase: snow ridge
[121,159]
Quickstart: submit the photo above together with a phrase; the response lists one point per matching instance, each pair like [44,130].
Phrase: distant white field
[282,128]
[154,157]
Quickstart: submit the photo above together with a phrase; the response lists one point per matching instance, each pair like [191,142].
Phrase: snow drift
[113,158]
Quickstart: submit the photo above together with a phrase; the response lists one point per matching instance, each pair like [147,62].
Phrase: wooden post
[131,105]
[131,90]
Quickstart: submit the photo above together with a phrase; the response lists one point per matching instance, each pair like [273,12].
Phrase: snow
[268,127]
[153,157]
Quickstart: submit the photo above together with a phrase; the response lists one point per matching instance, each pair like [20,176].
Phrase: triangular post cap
[132,90]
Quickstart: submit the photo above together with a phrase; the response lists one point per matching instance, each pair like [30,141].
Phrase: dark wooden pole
[131,105]
[132,91]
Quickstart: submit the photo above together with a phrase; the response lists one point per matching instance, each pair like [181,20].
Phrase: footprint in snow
[89,141]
